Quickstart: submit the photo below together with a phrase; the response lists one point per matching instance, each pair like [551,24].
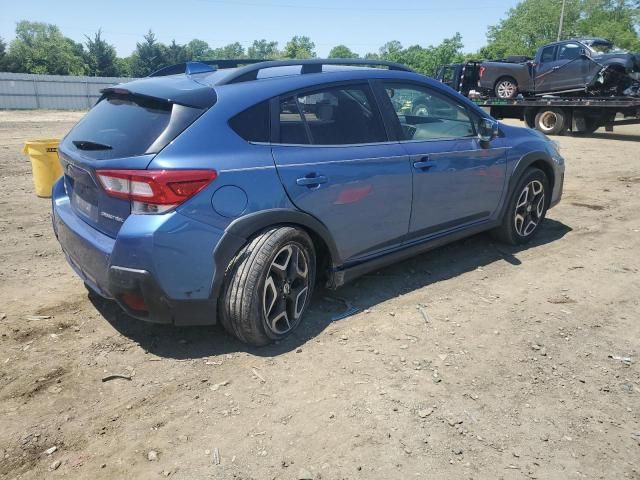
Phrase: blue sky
[362,25]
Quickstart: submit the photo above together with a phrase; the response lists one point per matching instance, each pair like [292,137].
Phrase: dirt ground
[477,360]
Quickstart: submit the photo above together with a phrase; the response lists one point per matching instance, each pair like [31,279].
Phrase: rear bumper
[151,260]
[160,308]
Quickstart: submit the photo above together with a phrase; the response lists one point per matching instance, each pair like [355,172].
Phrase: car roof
[207,88]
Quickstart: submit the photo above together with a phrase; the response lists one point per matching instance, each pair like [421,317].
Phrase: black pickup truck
[592,66]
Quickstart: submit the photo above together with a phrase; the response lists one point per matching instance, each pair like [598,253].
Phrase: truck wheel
[552,121]
[269,286]
[506,88]
[526,209]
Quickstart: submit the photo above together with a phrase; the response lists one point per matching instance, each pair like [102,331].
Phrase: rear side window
[253,123]
[127,125]
[332,116]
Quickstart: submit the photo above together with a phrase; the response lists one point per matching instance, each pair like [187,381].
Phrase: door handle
[424,164]
[312,180]
[555,68]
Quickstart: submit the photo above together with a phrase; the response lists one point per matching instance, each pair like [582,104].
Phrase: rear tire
[506,88]
[526,209]
[552,121]
[268,286]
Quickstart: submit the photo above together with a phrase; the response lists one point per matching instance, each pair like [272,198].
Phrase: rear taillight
[154,191]
[481,71]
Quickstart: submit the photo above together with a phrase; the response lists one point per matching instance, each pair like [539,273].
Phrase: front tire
[268,286]
[526,210]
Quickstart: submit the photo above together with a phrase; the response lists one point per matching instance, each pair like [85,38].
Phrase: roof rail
[202,66]
[250,72]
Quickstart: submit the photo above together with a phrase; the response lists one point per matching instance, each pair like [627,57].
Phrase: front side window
[427,115]
[569,51]
[333,116]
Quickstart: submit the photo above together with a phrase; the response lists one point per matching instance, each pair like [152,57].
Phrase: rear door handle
[424,164]
[312,180]
[555,68]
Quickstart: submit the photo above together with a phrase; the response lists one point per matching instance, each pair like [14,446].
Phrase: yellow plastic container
[45,164]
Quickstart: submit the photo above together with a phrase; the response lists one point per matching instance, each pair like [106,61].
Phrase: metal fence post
[86,83]
[35,91]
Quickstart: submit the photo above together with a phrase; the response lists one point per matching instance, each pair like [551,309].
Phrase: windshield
[605,47]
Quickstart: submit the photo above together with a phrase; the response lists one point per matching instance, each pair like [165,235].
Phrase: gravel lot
[477,360]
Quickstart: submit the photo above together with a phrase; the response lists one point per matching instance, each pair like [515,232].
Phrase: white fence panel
[58,92]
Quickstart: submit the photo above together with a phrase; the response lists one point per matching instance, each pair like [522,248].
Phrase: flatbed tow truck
[550,114]
[557,115]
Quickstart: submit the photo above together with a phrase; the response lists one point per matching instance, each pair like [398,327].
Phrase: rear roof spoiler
[202,66]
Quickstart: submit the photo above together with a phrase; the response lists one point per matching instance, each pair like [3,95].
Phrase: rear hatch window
[122,126]
[123,131]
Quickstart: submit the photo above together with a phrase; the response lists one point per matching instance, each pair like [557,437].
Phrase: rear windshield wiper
[89,145]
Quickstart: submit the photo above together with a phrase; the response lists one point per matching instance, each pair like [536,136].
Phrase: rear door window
[344,115]
[122,126]
[548,54]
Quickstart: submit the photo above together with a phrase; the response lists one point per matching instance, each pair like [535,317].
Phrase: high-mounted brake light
[154,191]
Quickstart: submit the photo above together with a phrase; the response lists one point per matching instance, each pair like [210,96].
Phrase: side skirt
[351,272]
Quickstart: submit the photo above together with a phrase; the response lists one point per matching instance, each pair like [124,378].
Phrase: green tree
[299,47]
[530,24]
[231,51]
[124,66]
[41,48]
[175,53]
[616,20]
[100,57]
[148,57]
[391,51]
[533,23]
[199,50]
[263,49]
[424,59]
[342,51]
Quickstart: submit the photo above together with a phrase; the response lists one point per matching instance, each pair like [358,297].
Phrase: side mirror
[583,52]
[487,129]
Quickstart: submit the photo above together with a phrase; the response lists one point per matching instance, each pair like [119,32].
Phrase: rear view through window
[122,126]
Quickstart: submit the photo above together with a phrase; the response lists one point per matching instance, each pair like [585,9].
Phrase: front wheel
[269,286]
[527,208]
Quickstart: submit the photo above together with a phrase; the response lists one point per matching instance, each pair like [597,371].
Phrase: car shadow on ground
[328,306]
[615,136]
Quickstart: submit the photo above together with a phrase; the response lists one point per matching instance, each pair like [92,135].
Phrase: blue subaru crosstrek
[203,194]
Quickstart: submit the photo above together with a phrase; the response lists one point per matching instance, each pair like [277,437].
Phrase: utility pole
[561,21]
